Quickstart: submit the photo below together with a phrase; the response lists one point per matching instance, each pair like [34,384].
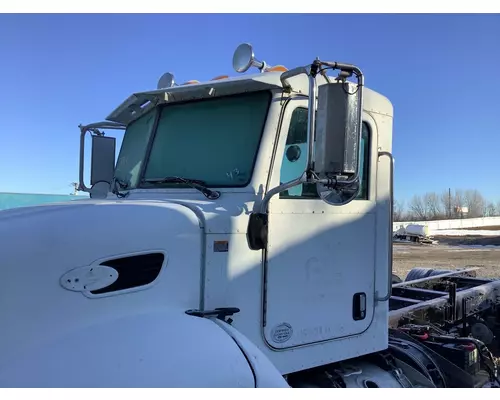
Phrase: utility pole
[449,203]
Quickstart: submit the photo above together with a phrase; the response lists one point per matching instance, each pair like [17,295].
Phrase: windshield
[214,141]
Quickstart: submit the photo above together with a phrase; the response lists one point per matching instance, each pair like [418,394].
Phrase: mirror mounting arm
[285,76]
[96,132]
[258,223]
[347,70]
[278,189]
[311,115]
[312,71]
[308,175]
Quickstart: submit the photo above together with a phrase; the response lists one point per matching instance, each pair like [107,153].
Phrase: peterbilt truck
[241,238]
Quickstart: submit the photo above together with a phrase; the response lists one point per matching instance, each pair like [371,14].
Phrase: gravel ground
[450,253]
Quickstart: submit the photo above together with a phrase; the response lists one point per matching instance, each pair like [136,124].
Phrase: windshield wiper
[122,185]
[194,183]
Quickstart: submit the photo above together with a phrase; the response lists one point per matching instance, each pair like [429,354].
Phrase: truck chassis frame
[447,297]
[451,318]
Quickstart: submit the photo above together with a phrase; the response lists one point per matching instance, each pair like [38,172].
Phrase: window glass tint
[295,158]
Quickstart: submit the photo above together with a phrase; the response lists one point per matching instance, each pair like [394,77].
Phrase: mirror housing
[257,231]
[102,167]
[338,130]
[103,159]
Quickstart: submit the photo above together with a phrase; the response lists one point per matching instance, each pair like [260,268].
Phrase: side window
[295,158]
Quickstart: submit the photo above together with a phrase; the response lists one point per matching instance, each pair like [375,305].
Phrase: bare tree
[398,211]
[418,208]
[433,206]
[490,210]
[475,202]
[448,205]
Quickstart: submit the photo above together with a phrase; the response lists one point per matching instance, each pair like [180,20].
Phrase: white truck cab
[244,234]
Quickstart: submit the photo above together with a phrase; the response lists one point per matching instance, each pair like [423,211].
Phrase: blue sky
[439,72]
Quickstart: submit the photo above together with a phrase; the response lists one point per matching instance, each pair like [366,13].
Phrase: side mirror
[338,141]
[338,130]
[334,134]
[102,167]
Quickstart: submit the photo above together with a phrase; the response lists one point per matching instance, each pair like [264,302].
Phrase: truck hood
[42,246]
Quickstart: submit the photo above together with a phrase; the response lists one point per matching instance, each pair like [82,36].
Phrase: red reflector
[469,347]
[425,336]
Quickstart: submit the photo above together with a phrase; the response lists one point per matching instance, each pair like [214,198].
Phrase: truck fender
[161,348]
[266,374]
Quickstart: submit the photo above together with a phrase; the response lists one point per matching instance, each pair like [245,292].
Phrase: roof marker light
[277,68]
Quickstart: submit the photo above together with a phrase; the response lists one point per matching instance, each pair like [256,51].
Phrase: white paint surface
[452,223]
[165,348]
[55,337]
[464,232]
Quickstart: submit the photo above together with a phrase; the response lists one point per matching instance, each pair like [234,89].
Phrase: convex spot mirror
[100,190]
[244,58]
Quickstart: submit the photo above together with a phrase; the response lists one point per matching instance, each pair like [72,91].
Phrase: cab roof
[140,103]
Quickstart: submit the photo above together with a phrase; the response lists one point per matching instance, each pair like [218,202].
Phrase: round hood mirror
[243,57]
[166,81]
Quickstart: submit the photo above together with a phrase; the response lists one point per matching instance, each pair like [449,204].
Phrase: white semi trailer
[243,239]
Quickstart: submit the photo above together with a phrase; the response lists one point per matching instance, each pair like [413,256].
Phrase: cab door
[320,259]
